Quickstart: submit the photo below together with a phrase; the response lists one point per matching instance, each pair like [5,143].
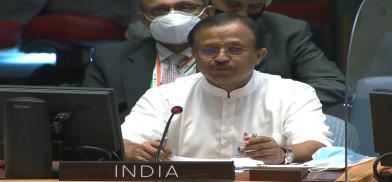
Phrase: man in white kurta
[224,101]
[212,123]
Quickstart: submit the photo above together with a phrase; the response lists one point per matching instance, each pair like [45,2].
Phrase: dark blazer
[127,67]
[292,54]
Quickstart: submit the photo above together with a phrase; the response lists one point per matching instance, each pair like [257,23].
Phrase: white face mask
[174,27]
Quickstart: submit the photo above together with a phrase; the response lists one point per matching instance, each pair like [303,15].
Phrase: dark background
[331,22]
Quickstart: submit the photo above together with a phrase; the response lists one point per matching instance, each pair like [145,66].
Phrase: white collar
[252,84]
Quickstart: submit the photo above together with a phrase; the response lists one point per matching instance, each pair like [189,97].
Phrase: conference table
[359,173]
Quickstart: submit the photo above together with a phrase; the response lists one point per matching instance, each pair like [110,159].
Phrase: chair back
[369,65]
[359,115]
[336,126]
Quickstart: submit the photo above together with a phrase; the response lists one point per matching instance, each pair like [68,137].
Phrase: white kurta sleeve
[304,119]
[146,121]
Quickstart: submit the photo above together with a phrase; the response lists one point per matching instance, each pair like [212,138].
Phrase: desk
[359,173]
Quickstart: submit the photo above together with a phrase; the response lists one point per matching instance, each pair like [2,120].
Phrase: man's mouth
[221,68]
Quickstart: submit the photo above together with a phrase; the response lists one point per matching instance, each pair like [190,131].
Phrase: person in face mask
[174,26]
[292,53]
[136,65]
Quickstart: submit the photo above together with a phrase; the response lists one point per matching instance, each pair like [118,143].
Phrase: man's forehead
[223,31]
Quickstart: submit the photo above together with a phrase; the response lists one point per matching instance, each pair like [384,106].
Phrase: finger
[145,155]
[262,153]
[167,151]
[269,156]
[140,158]
[154,143]
[132,150]
[246,139]
[261,142]
[260,146]
[259,139]
[150,147]
[137,153]
[164,156]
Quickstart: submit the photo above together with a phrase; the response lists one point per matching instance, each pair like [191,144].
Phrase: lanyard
[187,67]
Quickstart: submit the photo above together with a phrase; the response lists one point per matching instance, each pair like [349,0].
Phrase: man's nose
[222,56]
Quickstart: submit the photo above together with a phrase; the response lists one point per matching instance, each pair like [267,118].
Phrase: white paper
[245,162]
[240,162]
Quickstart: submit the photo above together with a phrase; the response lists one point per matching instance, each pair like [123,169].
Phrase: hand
[145,151]
[264,149]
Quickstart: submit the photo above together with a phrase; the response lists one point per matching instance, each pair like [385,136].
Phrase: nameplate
[277,174]
[146,171]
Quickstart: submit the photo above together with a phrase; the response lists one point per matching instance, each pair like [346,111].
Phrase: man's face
[225,56]
[155,8]
[240,7]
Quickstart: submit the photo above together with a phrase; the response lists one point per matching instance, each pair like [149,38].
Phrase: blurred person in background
[292,52]
[132,67]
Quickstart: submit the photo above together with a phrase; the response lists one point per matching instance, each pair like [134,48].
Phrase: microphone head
[176,110]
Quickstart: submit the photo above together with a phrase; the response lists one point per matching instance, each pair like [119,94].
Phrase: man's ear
[144,20]
[261,54]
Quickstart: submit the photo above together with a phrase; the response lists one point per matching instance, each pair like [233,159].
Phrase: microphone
[174,110]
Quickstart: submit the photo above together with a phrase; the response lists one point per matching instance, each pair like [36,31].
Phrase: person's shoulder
[118,52]
[278,24]
[180,86]
[276,82]
[183,82]
[189,79]
[180,83]
[280,18]
[128,45]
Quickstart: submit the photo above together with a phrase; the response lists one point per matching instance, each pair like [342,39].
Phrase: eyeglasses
[192,9]
[213,51]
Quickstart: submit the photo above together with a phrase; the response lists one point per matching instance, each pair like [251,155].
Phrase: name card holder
[146,171]
[277,174]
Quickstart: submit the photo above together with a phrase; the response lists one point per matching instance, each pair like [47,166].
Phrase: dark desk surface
[359,173]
